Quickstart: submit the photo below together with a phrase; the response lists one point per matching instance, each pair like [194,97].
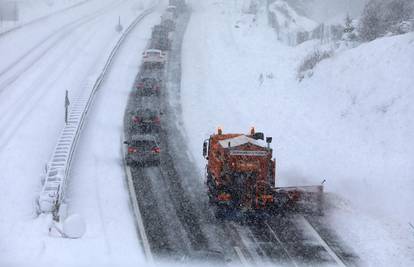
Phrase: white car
[173,11]
[154,56]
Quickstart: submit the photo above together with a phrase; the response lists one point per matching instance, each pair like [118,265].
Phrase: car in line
[154,58]
[148,86]
[145,121]
[143,150]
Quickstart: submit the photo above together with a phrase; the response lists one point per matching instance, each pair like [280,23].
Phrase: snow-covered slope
[360,103]
[288,23]
[351,123]
[289,19]
[364,97]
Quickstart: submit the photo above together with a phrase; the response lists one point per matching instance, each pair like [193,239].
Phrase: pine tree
[349,30]
[381,17]
[348,24]
[371,25]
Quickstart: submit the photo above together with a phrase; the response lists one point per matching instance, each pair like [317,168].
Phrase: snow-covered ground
[351,123]
[32,118]
[30,10]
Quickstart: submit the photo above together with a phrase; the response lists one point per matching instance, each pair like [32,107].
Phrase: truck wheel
[220,212]
[211,199]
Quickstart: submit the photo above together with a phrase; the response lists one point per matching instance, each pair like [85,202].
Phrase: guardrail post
[67,103]
[52,197]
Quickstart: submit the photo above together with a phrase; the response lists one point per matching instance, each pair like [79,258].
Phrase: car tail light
[223,197]
[157,120]
[132,150]
[156,150]
[136,119]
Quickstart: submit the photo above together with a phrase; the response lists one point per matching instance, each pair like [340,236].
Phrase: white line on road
[312,230]
[281,244]
[244,232]
[137,212]
[242,258]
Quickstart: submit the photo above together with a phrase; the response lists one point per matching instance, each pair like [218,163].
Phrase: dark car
[143,150]
[145,121]
[148,86]
[160,38]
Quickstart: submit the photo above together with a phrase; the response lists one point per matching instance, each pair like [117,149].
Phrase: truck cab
[240,170]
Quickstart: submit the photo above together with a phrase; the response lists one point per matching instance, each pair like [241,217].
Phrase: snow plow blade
[302,199]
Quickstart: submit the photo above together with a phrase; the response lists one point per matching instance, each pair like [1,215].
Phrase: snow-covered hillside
[351,123]
[287,22]
[363,99]
[289,19]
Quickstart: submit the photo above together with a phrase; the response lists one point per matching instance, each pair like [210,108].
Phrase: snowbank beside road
[363,97]
[351,123]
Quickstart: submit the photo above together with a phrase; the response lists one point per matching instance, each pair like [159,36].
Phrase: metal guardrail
[58,168]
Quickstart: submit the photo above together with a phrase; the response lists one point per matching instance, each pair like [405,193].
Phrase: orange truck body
[240,171]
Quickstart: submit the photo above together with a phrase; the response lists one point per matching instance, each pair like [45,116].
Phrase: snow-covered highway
[345,123]
[180,224]
[351,123]
[31,112]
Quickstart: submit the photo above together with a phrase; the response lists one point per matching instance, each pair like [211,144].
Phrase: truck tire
[220,212]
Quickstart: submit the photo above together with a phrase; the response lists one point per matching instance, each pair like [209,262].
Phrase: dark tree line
[381,17]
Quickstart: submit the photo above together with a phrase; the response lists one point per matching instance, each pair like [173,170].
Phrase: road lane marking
[312,230]
[244,233]
[135,207]
[281,244]
[242,258]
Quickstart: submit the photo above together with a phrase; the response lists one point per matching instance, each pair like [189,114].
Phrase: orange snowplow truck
[241,176]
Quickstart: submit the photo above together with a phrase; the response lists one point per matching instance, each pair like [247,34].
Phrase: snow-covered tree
[383,16]
[349,33]
[397,11]
[371,24]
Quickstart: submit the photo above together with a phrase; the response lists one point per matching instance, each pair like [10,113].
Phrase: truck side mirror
[268,140]
[205,144]
[126,142]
